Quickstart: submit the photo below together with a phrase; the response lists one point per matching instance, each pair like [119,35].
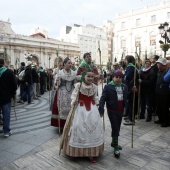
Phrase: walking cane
[49,80]
[58,106]
[139,88]
[133,108]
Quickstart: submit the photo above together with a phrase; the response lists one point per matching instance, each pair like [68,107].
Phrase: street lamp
[164,30]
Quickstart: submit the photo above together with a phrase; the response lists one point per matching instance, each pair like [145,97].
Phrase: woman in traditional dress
[83,136]
[54,106]
[65,84]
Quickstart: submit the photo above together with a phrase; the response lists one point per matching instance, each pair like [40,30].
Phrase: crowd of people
[132,90]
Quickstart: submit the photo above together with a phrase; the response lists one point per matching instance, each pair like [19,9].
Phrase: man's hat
[163,61]
[29,63]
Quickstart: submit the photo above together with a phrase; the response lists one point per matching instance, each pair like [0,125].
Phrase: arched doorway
[35,59]
[57,60]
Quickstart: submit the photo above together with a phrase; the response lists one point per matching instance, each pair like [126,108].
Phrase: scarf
[146,69]
[130,64]
[84,64]
[114,84]
[2,70]
[41,70]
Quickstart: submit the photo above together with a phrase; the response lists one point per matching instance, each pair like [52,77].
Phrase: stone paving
[39,149]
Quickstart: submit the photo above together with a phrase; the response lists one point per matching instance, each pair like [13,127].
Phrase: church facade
[41,50]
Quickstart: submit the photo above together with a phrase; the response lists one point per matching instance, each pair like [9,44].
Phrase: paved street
[35,144]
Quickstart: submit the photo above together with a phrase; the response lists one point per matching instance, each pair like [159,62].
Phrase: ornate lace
[88,90]
[67,76]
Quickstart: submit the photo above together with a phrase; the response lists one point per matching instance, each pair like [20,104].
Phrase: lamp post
[164,30]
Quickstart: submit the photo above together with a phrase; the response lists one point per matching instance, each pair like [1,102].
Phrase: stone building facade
[138,28]
[89,38]
[18,47]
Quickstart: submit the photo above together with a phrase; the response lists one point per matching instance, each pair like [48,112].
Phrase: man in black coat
[28,81]
[162,94]
[34,80]
[148,79]
[8,87]
[154,68]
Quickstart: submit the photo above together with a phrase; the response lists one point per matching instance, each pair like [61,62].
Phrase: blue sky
[51,15]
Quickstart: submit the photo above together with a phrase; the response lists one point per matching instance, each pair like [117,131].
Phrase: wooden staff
[49,80]
[58,104]
[101,79]
[139,88]
[133,107]
[69,120]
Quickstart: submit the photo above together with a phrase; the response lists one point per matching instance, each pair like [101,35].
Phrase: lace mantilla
[71,75]
[86,90]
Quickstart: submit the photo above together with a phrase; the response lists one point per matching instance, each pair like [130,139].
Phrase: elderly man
[115,66]
[8,87]
[162,94]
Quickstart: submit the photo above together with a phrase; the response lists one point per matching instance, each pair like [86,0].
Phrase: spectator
[132,88]
[162,94]
[8,87]
[148,78]
[35,81]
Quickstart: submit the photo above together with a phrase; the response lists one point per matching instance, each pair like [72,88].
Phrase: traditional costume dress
[84,65]
[53,104]
[85,135]
[62,99]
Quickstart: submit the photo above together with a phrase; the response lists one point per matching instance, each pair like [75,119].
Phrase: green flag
[115,59]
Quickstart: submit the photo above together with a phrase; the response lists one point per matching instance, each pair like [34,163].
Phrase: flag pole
[49,78]
[139,89]
[133,107]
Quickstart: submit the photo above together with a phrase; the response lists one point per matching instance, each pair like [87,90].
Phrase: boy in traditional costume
[115,95]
